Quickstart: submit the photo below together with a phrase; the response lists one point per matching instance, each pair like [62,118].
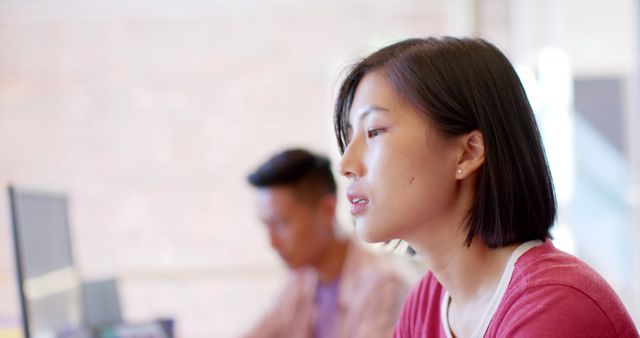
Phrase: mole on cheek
[411,180]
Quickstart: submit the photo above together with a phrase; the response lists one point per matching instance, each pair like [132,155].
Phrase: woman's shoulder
[545,265]
[420,316]
[552,291]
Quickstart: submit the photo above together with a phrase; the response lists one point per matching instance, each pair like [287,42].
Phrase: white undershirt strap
[492,307]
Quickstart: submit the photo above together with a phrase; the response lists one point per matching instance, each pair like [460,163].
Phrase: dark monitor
[49,288]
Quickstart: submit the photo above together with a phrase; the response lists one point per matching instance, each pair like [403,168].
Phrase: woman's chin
[370,234]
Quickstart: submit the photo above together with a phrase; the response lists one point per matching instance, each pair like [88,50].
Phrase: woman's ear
[471,154]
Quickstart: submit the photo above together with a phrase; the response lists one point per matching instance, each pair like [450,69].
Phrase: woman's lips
[358,203]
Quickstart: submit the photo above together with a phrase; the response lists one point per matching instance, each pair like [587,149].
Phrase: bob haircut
[462,85]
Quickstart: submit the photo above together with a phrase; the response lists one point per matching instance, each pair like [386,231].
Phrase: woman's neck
[467,271]
[470,274]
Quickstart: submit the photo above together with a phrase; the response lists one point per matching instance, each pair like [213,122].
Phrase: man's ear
[327,206]
[471,154]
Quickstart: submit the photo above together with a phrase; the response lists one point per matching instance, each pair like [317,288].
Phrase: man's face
[297,230]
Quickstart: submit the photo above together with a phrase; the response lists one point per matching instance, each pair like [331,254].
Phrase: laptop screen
[148,330]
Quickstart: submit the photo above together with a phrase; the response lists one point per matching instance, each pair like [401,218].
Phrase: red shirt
[550,294]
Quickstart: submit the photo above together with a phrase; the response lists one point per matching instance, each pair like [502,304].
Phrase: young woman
[442,150]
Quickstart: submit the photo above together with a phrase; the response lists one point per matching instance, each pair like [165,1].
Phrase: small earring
[460,171]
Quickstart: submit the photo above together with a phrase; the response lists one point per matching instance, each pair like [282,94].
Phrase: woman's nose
[351,164]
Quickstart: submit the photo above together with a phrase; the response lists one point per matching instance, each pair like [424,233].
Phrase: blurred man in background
[337,288]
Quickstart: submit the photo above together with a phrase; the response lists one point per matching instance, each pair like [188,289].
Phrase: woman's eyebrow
[372,109]
[368,111]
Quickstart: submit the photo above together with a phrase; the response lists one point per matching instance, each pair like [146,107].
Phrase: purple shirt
[327,310]
[369,298]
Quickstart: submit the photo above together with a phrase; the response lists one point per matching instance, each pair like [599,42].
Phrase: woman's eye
[371,133]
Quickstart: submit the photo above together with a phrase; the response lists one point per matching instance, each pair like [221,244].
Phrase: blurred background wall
[149,114]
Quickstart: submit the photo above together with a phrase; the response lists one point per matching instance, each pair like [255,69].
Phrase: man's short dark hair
[307,173]
[462,85]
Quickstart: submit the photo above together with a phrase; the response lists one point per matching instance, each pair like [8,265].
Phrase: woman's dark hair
[462,85]
[308,174]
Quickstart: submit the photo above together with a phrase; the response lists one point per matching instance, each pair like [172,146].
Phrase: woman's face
[402,171]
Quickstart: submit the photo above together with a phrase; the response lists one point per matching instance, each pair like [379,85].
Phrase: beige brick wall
[149,114]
